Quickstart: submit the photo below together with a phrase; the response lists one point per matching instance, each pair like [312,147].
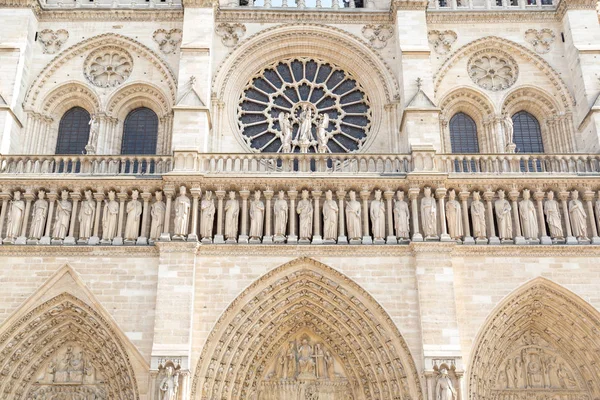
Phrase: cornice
[535,251]
[487,16]
[177,247]
[285,250]
[77,251]
[355,16]
[111,15]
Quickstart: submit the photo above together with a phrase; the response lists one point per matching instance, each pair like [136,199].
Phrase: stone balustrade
[110,4]
[304,4]
[491,5]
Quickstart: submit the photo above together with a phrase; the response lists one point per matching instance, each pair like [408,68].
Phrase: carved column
[268,237]
[341,196]
[588,197]
[219,238]
[488,196]
[46,239]
[193,236]
[70,239]
[122,196]
[463,195]
[563,195]
[292,237]
[391,237]
[28,196]
[413,194]
[518,236]
[143,238]
[317,237]
[5,197]
[99,197]
[166,235]
[539,198]
[244,194]
[440,193]
[364,195]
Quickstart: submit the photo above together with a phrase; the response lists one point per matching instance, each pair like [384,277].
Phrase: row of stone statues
[384,218]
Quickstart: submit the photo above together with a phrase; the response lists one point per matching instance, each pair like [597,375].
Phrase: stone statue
[306,364]
[232,211]
[578,217]
[322,134]
[503,216]
[478,217]
[169,384]
[401,216]
[377,212]
[285,125]
[291,361]
[109,217]
[134,212]
[353,211]
[157,212]
[90,148]
[528,216]
[429,214]
[305,129]
[305,210]
[454,216]
[330,363]
[280,366]
[63,216]
[16,212]
[330,217]
[257,217]
[207,209]
[86,216]
[38,216]
[444,389]
[508,129]
[182,214]
[280,209]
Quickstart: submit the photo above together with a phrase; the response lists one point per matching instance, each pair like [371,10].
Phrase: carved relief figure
[528,216]
[306,364]
[305,210]
[330,217]
[552,211]
[322,134]
[207,210]
[280,209]
[401,216]
[86,216]
[291,367]
[134,211]
[109,217]
[257,216]
[330,363]
[503,217]
[182,214]
[454,216]
[535,378]
[38,216]
[16,212]
[429,214]
[285,124]
[353,211]
[444,389]
[478,217]
[157,212]
[578,216]
[63,215]
[378,216]
[232,211]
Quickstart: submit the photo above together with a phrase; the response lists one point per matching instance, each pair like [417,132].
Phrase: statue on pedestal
[134,212]
[330,217]
[305,210]
[38,216]
[86,216]
[207,210]
[63,216]
[378,216]
[353,211]
[454,216]
[257,217]
[16,212]
[401,216]
[232,211]
[429,214]
[182,214]
[109,217]
[478,217]
[280,209]
[157,212]
[503,216]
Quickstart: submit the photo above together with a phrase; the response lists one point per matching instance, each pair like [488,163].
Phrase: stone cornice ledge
[354,16]
[110,15]
[488,16]
[77,251]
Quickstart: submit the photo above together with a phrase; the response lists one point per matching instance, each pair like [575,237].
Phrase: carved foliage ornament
[541,40]
[168,41]
[493,70]
[378,35]
[230,33]
[52,41]
[108,66]
[442,41]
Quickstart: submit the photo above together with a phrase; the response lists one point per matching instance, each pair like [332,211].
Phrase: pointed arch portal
[269,343]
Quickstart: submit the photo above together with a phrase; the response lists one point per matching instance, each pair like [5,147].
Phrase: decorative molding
[254,15]
[110,15]
[493,69]
[168,41]
[108,66]
[378,35]
[52,41]
[499,16]
[541,40]
[230,33]
[442,41]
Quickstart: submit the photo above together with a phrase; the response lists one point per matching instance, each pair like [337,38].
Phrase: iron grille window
[463,134]
[527,134]
[140,132]
[73,131]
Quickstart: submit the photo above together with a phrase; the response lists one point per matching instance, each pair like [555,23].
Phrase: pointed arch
[305,295]
[540,322]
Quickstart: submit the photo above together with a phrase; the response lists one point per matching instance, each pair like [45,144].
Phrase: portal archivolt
[305,331]
[542,342]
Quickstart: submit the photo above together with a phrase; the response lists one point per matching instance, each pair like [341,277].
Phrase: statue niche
[70,374]
[305,369]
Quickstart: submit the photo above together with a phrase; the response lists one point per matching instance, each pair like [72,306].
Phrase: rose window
[108,67]
[304,105]
[493,72]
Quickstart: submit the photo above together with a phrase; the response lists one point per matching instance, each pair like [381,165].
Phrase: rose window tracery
[304,105]
[108,67]
[493,71]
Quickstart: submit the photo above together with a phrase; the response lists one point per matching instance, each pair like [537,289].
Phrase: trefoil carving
[52,41]
[168,41]
[541,40]
[442,41]
[378,35]
[230,33]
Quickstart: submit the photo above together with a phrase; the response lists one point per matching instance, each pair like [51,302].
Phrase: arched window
[527,134]
[140,132]
[73,131]
[463,134]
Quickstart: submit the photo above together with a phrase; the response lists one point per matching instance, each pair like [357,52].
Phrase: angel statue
[322,135]
[285,124]
[90,148]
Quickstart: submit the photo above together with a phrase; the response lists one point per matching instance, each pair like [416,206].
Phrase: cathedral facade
[299,200]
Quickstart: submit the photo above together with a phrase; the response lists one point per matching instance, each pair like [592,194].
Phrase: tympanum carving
[108,66]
